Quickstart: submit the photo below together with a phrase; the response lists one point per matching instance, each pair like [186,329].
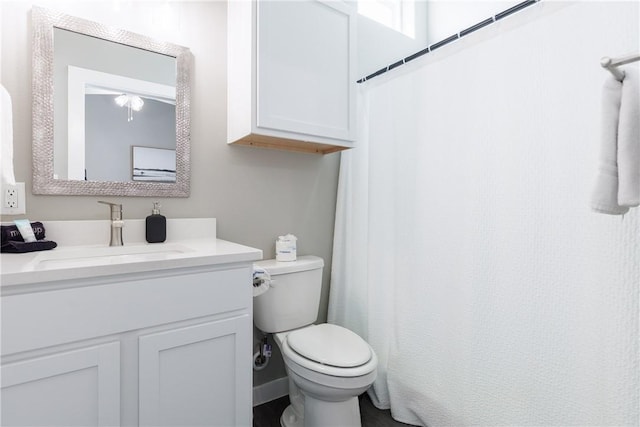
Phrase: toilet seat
[330,345]
[361,348]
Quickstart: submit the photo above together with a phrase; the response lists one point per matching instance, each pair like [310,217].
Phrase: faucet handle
[116,210]
[116,205]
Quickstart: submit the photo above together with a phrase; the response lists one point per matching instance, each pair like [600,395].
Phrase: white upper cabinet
[291,75]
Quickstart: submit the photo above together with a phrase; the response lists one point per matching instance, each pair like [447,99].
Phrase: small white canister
[286,248]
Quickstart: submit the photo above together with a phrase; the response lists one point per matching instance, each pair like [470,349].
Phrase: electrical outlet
[13,199]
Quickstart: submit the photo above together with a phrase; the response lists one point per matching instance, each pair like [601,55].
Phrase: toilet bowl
[328,366]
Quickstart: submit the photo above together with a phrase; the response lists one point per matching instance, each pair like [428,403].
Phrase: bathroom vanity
[140,334]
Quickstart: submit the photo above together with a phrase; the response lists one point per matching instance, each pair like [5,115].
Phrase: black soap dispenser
[156,225]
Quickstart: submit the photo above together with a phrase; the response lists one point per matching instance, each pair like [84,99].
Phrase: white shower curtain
[465,252]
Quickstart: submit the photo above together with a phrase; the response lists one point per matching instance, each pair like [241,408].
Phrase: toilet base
[290,419]
[318,413]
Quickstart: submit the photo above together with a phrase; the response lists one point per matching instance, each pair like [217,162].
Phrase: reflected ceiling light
[132,102]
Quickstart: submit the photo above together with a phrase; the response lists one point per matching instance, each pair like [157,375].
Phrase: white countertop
[190,243]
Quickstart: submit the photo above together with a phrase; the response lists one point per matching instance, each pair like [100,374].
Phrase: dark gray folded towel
[12,241]
[10,233]
[21,247]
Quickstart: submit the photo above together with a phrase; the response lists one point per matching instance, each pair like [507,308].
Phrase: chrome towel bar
[612,64]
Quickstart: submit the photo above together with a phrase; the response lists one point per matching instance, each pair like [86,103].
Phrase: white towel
[604,198]
[629,141]
[6,137]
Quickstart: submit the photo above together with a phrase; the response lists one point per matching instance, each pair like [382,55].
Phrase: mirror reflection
[113,105]
[111,110]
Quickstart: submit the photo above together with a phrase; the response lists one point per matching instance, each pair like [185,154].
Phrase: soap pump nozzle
[156,208]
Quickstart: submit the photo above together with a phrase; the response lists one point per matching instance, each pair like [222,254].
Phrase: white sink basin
[94,256]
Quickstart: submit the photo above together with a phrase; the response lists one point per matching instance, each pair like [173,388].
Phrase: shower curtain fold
[351,268]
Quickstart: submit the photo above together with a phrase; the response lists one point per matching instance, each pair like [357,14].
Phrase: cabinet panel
[197,375]
[305,68]
[75,388]
[81,313]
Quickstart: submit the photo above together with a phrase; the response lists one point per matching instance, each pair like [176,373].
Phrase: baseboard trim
[270,391]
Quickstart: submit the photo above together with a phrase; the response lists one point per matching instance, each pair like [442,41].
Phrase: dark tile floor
[268,414]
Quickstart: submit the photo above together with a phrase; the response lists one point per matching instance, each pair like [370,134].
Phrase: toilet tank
[293,299]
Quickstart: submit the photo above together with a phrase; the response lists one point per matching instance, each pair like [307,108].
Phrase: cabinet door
[198,375]
[305,66]
[74,388]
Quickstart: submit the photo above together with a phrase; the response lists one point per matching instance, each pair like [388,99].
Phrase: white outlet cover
[21,208]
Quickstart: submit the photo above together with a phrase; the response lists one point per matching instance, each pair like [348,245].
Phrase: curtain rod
[451,38]
[612,64]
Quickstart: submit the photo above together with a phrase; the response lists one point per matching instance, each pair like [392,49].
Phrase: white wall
[435,20]
[379,46]
[446,17]
[255,194]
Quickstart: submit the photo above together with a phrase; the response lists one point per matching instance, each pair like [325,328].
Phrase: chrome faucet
[116,223]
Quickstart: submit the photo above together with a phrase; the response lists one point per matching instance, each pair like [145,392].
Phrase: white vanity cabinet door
[197,375]
[300,65]
[73,388]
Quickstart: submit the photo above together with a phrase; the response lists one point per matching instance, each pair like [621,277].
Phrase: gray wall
[255,194]
[109,136]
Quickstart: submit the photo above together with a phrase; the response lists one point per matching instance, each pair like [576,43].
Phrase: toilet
[328,366]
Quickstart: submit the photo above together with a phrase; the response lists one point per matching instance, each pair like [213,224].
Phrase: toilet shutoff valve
[266,349]
[262,354]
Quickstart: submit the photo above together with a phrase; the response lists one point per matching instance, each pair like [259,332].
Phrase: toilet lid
[330,345]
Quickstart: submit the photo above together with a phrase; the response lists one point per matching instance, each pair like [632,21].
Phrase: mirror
[110,110]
